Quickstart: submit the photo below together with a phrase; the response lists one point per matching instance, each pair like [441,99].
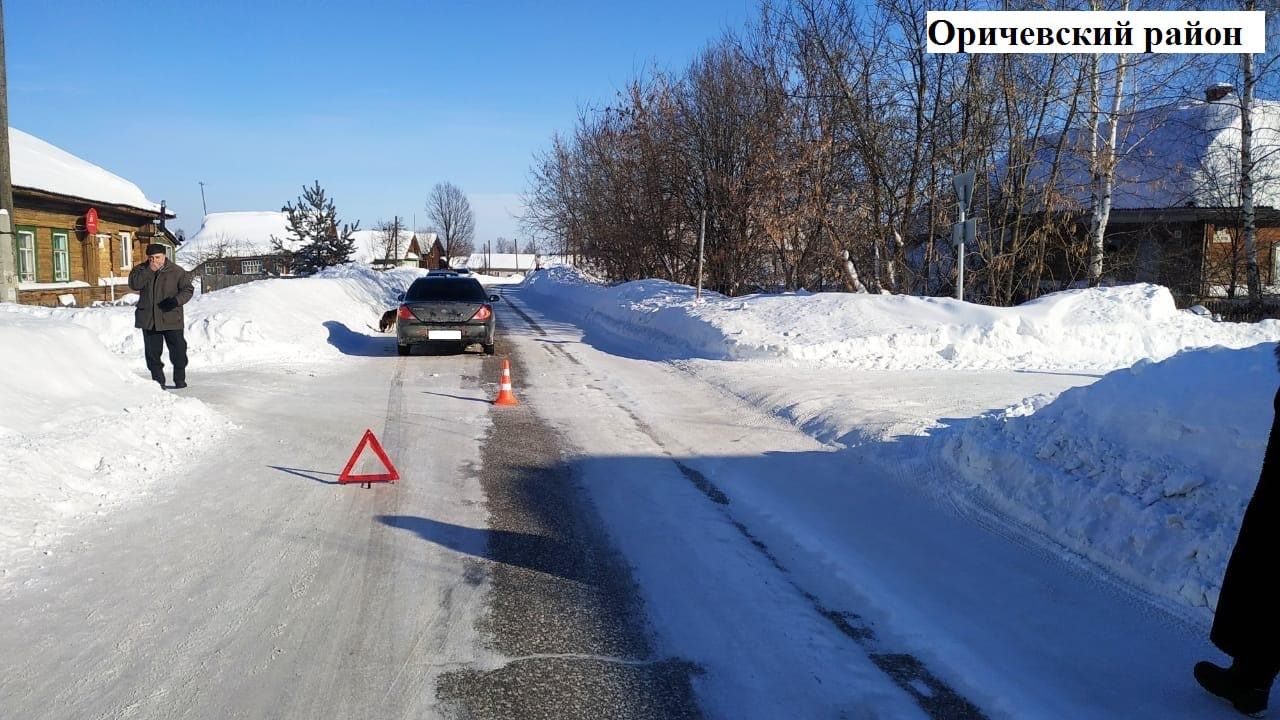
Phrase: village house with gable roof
[77,229]
[237,247]
[1175,218]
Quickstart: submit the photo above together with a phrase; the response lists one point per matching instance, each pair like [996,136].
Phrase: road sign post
[964,230]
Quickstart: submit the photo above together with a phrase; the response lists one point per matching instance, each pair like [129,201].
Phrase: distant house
[1175,217]
[236,247]
[378,248]
[78,229]
[506,264]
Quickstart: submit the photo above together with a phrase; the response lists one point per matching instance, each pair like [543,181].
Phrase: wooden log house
[77,229]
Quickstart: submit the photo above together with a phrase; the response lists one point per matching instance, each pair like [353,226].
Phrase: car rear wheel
[403,349]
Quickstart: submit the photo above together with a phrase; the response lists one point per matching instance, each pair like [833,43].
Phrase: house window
[61,257]
[251,267]
[215,268]
[126,250]
[25,239]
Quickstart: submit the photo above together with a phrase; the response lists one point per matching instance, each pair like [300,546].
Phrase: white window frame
[61,256]
[126,251]
[246,264]
[26,258]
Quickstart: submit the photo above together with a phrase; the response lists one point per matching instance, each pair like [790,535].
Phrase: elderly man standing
[163,288]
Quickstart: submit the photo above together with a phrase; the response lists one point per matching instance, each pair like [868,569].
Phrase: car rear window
[446,288]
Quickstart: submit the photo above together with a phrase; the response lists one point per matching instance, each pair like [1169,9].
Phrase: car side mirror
[493,298]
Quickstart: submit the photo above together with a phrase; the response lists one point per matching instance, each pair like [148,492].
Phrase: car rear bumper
[466,333]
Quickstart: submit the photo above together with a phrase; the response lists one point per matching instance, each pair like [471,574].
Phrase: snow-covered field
[1144,471]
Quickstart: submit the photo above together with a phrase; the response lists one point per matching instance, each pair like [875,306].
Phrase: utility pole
[203,206]
[702,239]
[8,264]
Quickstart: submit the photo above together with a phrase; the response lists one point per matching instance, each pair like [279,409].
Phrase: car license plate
[444,334]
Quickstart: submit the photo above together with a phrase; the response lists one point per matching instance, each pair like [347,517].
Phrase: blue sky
[378,100]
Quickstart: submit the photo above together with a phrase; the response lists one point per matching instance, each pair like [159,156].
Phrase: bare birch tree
[1102,163]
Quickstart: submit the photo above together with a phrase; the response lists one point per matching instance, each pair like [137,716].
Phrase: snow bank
[1146,472]
[1092,330]
[80,431]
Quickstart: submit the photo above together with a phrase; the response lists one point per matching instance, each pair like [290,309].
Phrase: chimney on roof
[1216,92]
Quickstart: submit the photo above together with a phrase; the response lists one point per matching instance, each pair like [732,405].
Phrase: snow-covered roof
[1180,155]
[234,234]
[38,165]
[248,233]
[372,244]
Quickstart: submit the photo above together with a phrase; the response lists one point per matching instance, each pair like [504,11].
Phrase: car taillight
[404,314]
[483,313]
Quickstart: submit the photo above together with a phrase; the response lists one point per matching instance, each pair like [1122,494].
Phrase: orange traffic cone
[505,396]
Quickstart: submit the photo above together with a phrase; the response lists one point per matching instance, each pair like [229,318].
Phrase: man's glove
[167,304]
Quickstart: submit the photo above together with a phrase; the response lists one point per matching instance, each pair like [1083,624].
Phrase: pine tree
[313,229]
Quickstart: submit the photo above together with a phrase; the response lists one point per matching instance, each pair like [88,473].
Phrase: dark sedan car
[445,308]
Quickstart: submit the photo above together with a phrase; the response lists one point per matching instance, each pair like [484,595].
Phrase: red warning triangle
[390,476]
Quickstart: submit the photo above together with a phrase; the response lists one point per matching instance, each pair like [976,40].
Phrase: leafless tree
[222,245]
[450,211]
[825,129]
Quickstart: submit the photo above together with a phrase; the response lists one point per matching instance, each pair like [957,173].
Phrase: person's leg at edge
[1246,683]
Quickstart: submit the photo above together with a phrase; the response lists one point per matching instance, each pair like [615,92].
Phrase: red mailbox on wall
[91,221]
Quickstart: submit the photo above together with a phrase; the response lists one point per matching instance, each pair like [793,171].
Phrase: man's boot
[158,377]
[1244,687]
[179,377]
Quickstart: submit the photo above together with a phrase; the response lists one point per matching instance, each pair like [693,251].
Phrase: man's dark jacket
[161,295]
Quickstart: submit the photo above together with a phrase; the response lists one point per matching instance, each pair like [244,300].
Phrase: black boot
[179,377]
[1246,691]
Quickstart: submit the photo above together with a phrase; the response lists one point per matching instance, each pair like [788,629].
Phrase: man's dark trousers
[152,343]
